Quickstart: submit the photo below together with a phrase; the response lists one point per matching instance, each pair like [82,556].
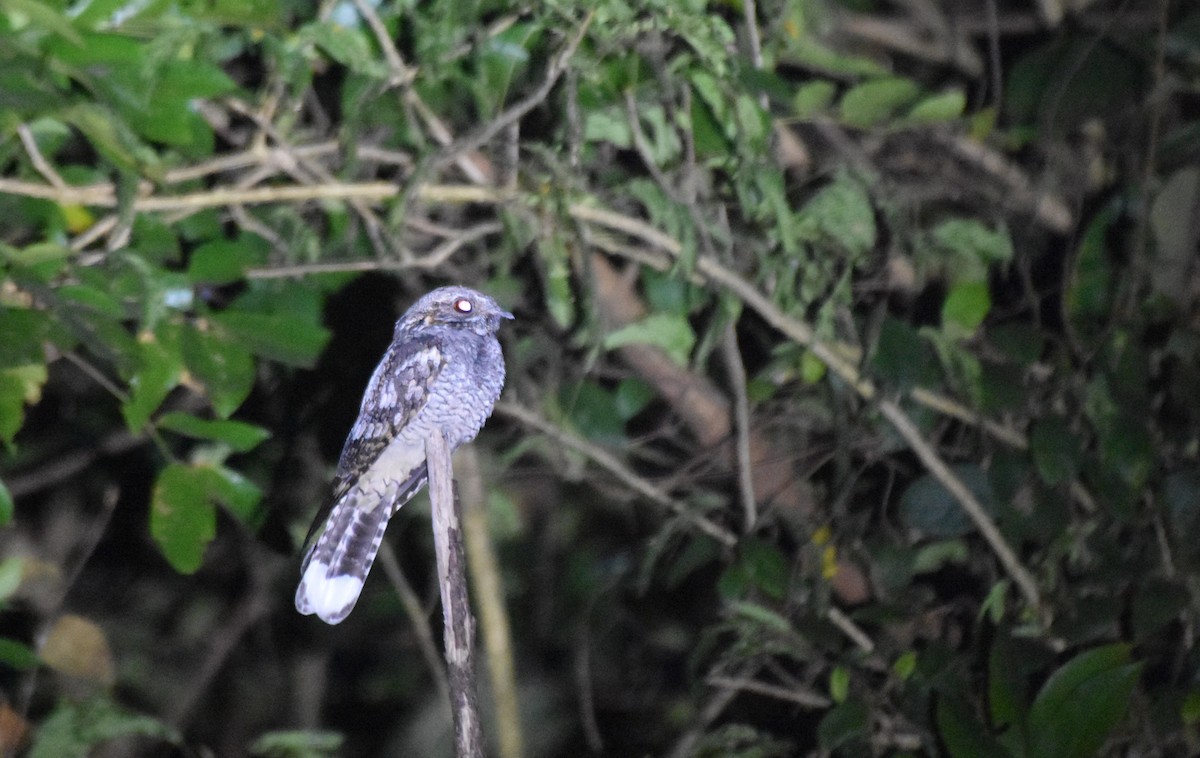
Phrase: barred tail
[337,564]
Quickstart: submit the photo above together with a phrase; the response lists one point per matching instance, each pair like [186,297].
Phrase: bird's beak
[506,314]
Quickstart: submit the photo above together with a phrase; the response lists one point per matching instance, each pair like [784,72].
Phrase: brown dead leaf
[13,730]
[78,647]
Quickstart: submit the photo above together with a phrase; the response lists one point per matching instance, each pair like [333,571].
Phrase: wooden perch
[456,607]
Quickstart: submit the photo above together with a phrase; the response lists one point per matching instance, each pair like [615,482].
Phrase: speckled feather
[444,369]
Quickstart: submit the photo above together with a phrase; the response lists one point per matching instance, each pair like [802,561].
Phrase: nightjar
[444,369]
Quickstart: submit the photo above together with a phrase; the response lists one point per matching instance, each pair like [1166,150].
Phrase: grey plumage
[444,370]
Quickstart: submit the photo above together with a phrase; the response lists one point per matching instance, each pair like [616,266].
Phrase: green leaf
[765,566]
[902,357]
[905,665]
[503,57]
[929,507]
[1129,449]
[77,729]
[1189,712]
[158,373]
[346,46]
[844,722]
[1012,663]
[945,106]
[594,413]
[41,260]
[812,368]
[25,330]
[811,53]
[839,684]
[709,137]
[840,213]
[671,332]
[813,98]
[92,298]
[10,576]
[223,366]
[930,558]
[6,505]
[875,100]
[1055,450]
[968,247]
[238,435]
[19,386]
[963,734]
[183,80]
[966,307]
[762,616]
[631,397]
[223,261]
[608,126]
[111,136]
[44,15]
[277,336]
[182,518]
[1093,281]
[18,655]
[1082,702]
[239,495]
[298,744]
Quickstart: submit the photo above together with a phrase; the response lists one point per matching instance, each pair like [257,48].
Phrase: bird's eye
[463,305]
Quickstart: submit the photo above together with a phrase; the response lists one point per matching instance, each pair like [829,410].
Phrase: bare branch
[804,697]
[741,424]
[37,159]
[459,626]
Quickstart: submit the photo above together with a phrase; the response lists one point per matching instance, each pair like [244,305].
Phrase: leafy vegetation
[851,398]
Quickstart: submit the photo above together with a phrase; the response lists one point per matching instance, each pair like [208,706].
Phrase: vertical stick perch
[456,608]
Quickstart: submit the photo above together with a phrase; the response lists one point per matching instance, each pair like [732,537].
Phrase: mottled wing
[380,469]
[397,392]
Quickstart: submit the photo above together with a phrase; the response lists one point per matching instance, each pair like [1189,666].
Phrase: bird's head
[458,307]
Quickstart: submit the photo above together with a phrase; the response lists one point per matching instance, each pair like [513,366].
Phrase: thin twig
[618,469]
[37,159]
[741,423]
[850,629]
[685,746]
[402,75]
[583,682]
[435,258]
[750,14]
[974,509]
[806,698]
[419,620]
[641,143]
[1154,106]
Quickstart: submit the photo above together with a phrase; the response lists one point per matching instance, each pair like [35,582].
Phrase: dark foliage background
[851,399]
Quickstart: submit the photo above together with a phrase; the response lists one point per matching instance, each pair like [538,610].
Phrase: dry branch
[456,606]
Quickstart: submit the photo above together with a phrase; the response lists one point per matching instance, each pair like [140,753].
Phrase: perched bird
[443,370]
